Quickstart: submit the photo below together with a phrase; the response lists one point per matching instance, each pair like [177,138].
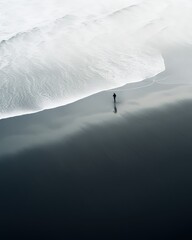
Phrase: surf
[78,48]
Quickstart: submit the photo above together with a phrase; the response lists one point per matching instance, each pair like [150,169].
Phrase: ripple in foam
[78,54]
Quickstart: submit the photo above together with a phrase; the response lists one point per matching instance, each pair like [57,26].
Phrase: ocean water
[54,52]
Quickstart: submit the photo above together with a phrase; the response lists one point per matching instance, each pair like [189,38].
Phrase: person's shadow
[115,107]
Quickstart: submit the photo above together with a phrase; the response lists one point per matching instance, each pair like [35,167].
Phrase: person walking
[114,97]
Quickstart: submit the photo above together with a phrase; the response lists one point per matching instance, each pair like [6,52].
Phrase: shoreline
[48,126]
[84,172]
[124,175]
[80,99]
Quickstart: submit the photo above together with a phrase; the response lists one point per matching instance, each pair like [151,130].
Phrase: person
[114,97]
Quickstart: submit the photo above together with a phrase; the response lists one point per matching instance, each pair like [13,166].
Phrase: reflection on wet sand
[115,107]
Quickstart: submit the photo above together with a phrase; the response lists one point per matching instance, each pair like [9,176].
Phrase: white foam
[54,52]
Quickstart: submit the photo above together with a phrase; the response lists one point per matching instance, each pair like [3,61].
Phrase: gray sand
[84,171]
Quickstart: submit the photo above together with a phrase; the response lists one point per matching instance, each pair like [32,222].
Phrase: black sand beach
[84,172]
[116,176]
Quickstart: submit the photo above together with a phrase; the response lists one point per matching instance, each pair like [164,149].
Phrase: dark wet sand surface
[117,176]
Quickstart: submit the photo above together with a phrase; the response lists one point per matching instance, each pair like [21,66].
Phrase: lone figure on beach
[114,97]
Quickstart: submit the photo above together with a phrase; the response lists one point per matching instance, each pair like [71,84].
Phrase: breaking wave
[55,52]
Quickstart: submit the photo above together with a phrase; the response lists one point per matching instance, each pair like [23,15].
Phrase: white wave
[54,52]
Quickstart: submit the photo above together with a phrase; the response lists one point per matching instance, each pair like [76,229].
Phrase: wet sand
[88,171]
[99,174]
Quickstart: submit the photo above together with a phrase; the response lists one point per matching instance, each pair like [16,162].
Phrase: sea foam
[54,52]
